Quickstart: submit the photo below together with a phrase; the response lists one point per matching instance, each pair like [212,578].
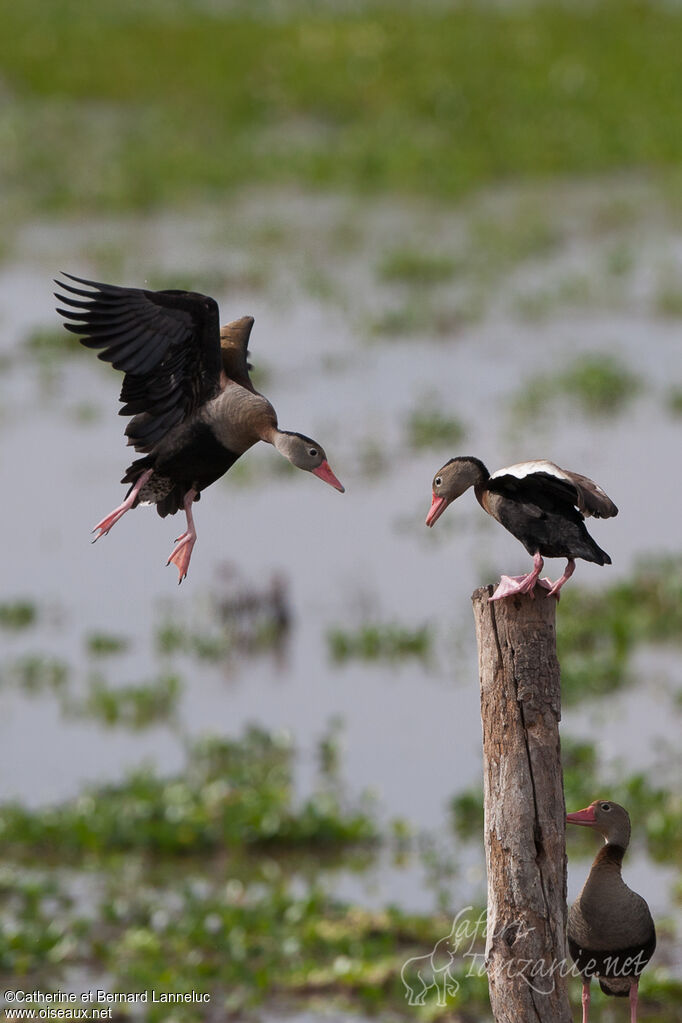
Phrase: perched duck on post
[611,934]
[542,505]
[187,387]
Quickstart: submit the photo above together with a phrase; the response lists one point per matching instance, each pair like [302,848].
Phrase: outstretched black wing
[166,342]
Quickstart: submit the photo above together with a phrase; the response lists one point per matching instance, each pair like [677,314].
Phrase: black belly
[551,534]
[190,458]
[624,962]
[193,457]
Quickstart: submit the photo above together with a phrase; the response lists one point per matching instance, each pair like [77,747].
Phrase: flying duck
[186,385]
[611,934]
[542,505]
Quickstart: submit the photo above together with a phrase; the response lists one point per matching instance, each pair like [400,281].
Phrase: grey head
[306,453]
[610,819]
[450,482]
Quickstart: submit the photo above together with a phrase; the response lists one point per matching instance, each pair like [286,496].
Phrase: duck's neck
[278,438]
[479,479]
[604,883]
[609,858]
[239,418]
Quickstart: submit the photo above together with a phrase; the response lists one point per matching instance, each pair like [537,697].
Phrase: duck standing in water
[611,934]
[542,505]
[187,387]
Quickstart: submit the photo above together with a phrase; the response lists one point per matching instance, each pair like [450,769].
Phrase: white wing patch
[590,499]
[523,469]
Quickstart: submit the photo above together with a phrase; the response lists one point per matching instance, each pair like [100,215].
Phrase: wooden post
[525,845]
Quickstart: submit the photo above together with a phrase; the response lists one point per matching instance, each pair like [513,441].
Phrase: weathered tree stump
[524,808]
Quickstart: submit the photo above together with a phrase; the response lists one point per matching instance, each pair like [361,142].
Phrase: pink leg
[586,1001]
[570,569]
[633,1001]
[105,525]
[511,584]
[182,552]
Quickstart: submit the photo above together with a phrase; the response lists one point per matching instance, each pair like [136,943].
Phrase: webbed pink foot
[182,552]
[568,572]
[510,585]
[103,527]
[112,518]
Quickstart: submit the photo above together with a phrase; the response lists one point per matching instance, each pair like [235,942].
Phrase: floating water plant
[103,644]
[598,630]
[600,384]
[379,642]
[415,267]
[17,614]
[429,427]
[232,793]
[131,706]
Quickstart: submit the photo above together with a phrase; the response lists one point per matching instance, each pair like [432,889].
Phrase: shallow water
[411,728]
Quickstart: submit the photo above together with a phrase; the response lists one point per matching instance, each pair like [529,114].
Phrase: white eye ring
[312,452]
[437,482]
[605,807]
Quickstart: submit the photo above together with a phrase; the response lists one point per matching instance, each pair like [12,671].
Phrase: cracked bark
[525,845]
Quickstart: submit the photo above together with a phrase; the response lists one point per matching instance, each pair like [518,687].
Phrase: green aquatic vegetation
[467,814]
[574,289]
[51,343]
[401,320]
[402,98]
[598,630]
[329,751]
[600,384]
[170,638]
[320,284]
[38,928]
[580,764]
[500,242]
[668,299]
[232,793]
[420,317]
[103,644]
[36,673]
[174,638]
[379,641]
[131,706]
[429,427]
[674,401]
[296,945]
[18,614]
[239,918]
[256,627]
[413,266]
[620,260]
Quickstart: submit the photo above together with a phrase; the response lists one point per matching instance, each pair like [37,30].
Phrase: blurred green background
[459,227]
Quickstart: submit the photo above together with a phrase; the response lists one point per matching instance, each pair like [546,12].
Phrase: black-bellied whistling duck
[187,387]
[611,934]
[542,505]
